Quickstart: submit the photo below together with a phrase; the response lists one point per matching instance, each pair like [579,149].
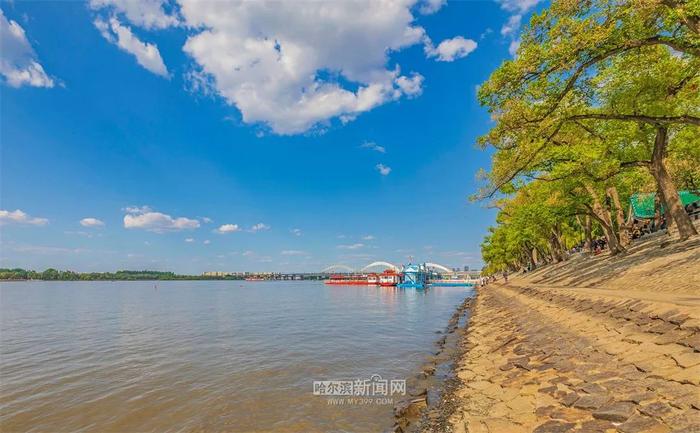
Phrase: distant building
[217,274]
[466,268]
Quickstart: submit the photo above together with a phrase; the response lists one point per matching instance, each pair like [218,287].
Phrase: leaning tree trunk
[556,254]
[588,230]
[619,215]
[603,216]
[667,190]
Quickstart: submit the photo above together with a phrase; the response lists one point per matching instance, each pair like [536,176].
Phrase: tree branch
[654,120]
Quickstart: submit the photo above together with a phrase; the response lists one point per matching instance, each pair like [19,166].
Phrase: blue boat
[414,277]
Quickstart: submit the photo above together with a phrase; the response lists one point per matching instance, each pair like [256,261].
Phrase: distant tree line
[56,275]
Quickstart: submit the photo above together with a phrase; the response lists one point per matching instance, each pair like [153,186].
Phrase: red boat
[389,278]
[373,279]
[347,280]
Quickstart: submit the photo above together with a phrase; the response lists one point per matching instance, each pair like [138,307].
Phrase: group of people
[485,280]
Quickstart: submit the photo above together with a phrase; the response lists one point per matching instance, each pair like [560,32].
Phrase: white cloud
[284,64]
[513,47]
[148,14]
[137,209]
[512,25]
[351,246]
[293,253]
[18,61]
[373,146]
[19,217]
[146,219]
[147,55]
[412,86]
[91,222]
[383,169]
[80,233]
[189,240]
[207,220]
[228,228]
[368,238]
[42,249]
[206,242]
[248,253]
[295,232]
[451,49]
[519,6]
[486,32]
[429,7]
[259,227]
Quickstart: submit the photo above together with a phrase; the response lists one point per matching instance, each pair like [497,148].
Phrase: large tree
[623,76]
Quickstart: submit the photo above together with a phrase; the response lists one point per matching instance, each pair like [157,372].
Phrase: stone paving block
[554,427]
[684,420]
[597,426]
[656,409]
[642,424]
[558,351]
[692,341]
[689,375]
[499,425]
[618,411]
[592,401]
[672,336]
[687,359]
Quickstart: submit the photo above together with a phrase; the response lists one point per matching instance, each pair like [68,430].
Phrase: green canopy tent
[643,204]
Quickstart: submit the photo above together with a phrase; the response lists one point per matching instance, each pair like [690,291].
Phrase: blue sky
[161,135]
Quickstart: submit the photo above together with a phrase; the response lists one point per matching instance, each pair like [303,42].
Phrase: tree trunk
[622,233]
[603,217]
[555,249]
[534,258]
[543,254]
[556,231]
[619,213]
[667,190]
[588,230]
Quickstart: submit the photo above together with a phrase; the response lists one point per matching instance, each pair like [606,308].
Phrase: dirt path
[554,360]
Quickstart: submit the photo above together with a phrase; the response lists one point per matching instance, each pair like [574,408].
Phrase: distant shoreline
[51,274]
[20,280]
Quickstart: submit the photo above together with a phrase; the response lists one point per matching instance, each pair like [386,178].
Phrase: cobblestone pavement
[554,361]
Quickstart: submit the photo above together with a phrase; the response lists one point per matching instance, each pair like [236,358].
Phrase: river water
[183,356]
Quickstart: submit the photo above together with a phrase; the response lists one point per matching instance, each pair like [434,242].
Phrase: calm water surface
[207,355]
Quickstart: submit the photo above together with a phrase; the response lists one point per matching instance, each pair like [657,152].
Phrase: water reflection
[192,356]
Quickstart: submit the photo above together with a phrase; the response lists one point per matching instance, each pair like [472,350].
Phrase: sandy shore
[578,347]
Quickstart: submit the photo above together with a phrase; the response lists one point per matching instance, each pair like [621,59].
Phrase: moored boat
[414,277]
[347,280]
[389,278]
[373,279]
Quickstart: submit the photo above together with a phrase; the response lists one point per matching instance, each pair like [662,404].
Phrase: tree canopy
[601,100]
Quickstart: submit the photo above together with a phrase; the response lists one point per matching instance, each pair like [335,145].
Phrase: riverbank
[604,345]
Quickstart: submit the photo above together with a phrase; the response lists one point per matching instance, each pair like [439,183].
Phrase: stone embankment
[548,361]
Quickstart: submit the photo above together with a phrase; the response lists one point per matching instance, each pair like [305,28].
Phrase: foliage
[602,100]
[53,274]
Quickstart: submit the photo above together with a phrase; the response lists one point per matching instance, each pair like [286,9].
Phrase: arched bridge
[387,265]
[381,264]
[337,267]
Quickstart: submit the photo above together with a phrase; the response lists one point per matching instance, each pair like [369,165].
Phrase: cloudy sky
[213,135]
